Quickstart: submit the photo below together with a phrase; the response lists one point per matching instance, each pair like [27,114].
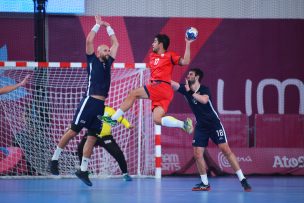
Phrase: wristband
[110,31]
[96,28]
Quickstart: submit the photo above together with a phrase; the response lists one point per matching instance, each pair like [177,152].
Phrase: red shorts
[160,93]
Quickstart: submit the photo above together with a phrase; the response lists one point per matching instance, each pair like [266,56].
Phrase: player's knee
[198,156]
[227,153]
[136,94]
[70,134]
[132,94]
[198,153]
[225,149]
[157,120]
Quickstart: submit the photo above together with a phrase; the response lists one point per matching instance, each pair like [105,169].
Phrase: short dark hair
[162,38]
[198,72]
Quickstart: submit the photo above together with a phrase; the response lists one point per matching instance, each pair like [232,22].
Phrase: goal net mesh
[34,117]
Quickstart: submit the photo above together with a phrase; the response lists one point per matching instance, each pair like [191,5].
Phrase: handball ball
[191,33]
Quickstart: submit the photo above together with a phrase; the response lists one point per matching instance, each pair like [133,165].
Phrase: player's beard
[104,57]
[191,82]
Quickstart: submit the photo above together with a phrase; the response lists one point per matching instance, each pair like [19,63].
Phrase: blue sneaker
[245,185]
[107,119]
[84,177]
[53,167]
[126,177]
[201,187]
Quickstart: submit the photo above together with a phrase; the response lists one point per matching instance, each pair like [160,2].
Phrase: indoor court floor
[266,189]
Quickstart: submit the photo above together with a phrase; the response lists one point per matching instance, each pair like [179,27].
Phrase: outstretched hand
[101,22]
[98,20]
[106,24]
[24,81]
[188,40]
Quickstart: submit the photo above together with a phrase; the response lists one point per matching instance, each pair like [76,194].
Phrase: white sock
[240,174]
[170,121]
[204,179]
[117,114]
[57,153]
[84,163]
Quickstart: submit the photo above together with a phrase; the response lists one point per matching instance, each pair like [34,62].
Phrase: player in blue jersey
[92,104]
[208,126]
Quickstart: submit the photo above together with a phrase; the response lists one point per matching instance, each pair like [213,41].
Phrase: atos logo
[285,162]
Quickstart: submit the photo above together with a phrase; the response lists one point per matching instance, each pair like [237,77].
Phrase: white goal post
[34,117]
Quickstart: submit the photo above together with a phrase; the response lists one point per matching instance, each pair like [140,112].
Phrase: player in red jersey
[159,89]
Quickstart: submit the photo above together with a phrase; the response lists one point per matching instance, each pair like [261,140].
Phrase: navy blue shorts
[86,116]
[202,135]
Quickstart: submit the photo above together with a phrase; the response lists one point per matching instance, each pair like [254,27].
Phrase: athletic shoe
[201,187]
[126,177]
[108,120]
[53,167]
[84,176]
[246,185]
[188,127]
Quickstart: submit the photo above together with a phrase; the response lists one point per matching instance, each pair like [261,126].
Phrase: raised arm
[91,36]
[92,33]
[186,59]
[114,41]
[10,88]
[198,97]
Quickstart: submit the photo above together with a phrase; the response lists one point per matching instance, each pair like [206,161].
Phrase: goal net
[34,117]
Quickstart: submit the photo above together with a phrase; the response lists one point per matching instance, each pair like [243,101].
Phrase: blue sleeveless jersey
[99,75]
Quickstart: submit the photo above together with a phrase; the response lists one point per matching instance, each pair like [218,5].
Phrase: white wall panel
[293,9]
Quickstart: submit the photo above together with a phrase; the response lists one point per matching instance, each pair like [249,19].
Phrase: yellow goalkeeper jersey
[106,128]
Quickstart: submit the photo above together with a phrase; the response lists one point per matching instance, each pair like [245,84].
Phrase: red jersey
[161,65]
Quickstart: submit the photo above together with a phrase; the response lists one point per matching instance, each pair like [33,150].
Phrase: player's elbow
[205,101]
[115,45]
[89,39]
[185,62]
[89,44]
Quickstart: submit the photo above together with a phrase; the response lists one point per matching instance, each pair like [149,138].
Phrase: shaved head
[103,52]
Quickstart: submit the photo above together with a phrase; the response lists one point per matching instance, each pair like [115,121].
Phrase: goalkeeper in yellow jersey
[106,140]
